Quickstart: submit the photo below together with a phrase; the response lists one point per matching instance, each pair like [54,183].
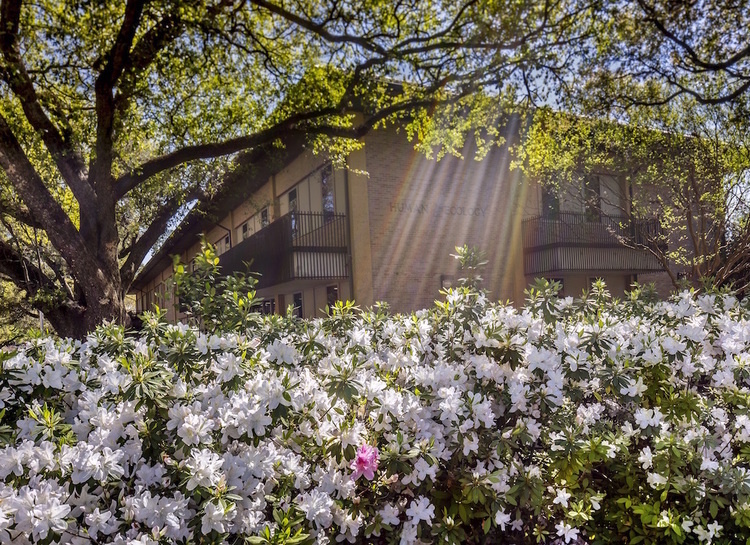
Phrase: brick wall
[660,280]
[421,209]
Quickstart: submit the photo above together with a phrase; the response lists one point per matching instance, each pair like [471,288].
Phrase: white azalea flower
[562,496]
[217,517]
[501,519]
[317,507]
[204,467]
[566,531]
[420,509]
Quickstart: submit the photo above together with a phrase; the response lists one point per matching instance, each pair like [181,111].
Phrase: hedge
[568,421]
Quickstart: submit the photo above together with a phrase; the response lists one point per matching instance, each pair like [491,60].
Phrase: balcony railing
[297,245]
[573,242]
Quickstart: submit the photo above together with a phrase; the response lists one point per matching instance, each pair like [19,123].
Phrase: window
[265,307]
[292,196]
[592,200]
[560,281]
[222,245]
[332,295]
[326,187]
[297,302]
[256,222]
[550,203]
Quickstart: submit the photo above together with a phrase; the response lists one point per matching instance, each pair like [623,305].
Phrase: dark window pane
[592,198]
[550,203]
[326,185]
[332,295]
[293,210]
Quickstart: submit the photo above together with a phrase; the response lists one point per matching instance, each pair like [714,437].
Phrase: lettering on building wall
[409,208]
[403,207]
[476,211]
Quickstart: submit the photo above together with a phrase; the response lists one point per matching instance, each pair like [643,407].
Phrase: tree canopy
[650,52]
[114,116]
[663,100]
[686,165]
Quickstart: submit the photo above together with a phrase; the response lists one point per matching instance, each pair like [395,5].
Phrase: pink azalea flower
[365,463]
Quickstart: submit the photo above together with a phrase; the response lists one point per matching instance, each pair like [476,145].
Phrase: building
[384,229]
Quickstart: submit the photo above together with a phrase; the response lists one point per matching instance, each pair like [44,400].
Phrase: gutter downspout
[349,234]
[229,232]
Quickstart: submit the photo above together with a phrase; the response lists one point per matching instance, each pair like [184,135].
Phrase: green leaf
[463,513]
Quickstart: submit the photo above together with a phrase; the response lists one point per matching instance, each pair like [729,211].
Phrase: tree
[650,52]
[15,320]
[661,94]
[684,163]
[116,116]
[211,301]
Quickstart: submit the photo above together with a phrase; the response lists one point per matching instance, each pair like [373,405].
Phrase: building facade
[384,229]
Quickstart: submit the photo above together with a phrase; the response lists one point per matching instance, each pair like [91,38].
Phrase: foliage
[210,301]
[15,321]
[650,53]
[116,118]
[471,261]
[685,165]
[570,420]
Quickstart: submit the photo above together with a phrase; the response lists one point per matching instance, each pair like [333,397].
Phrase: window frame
[298,310]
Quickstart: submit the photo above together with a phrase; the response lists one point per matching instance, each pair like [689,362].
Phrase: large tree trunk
[103,300]
[76,319]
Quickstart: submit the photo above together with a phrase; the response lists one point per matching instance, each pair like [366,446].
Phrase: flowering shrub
[569,421]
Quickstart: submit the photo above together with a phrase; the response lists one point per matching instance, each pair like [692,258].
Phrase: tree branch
[319,29]
[26,275]
[118,56]
[67,160]
[145,51]
[293,124]
[22,272]
[116,62]
[58,226]
[19,213]
[149,237]
[210,150]
[683,90]
[690,51]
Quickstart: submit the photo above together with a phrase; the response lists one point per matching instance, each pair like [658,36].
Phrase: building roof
[253,169]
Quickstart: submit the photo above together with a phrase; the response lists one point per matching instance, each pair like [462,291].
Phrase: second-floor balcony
[298,245]
[579,242]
